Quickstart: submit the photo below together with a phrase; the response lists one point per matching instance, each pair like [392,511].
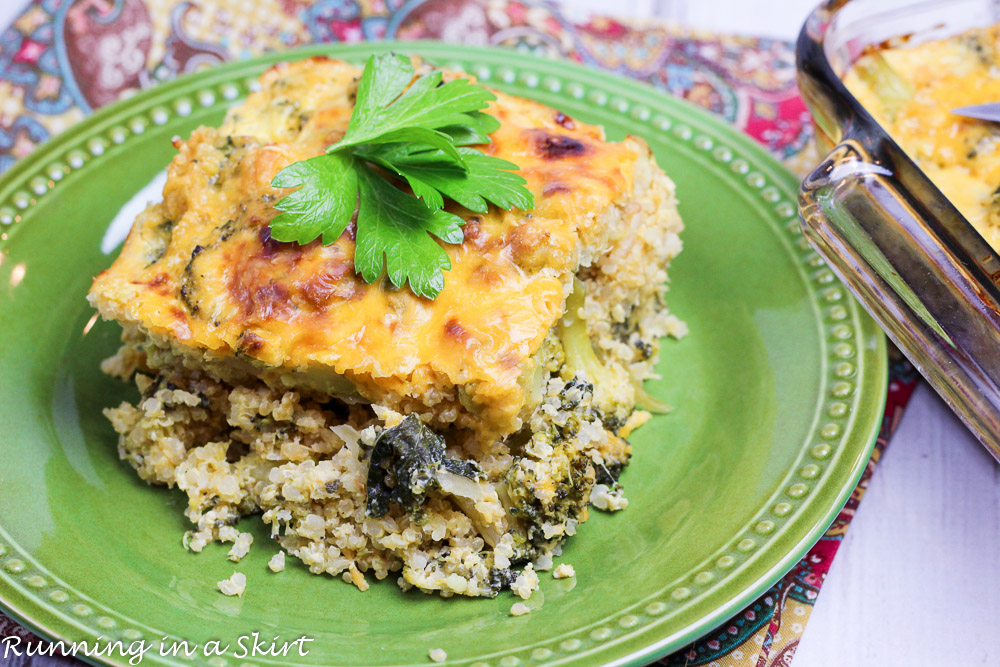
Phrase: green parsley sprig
[418,131]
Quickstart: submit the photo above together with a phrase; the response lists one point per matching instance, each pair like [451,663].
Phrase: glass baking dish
[917,265]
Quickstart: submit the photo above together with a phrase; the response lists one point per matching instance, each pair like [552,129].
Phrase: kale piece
[501,579]
[608,474]
[405,463]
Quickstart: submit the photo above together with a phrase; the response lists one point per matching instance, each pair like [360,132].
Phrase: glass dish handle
[876,237]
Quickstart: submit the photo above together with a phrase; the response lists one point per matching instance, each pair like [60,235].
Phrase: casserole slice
[447,440]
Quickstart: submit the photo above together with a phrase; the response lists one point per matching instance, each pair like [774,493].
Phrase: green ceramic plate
[778,393]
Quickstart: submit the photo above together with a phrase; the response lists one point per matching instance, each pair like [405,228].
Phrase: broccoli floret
[405,462]
[580,357]
[551,492]
[580,354]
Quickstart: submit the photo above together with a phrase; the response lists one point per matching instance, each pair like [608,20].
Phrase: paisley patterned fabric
[61,59]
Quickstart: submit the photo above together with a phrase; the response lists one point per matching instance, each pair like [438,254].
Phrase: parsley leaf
[429,175]
[476,132]
[419,130]
[325,203]
[385,105]
[397,226]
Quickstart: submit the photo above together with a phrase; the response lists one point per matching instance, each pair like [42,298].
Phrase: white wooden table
[917,579]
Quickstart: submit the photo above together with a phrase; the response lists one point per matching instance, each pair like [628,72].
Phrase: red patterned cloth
[63,58]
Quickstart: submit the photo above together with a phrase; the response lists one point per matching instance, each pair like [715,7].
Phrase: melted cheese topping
[958,154]
[201,271]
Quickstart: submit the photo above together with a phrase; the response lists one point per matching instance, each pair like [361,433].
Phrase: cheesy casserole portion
[448,440]
[910,89]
